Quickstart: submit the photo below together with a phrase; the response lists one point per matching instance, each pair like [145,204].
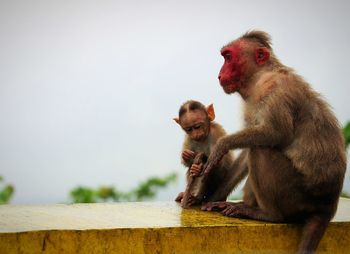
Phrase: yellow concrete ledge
[155,227]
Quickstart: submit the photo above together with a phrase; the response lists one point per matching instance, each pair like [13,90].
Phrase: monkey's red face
[196,124]
[231,73]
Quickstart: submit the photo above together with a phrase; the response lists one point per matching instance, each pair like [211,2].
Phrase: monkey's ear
[211,112]
[262,55]
[177,120]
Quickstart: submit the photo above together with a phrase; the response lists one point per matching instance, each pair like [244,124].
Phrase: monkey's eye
[188,129]
[196,127]
[227,56]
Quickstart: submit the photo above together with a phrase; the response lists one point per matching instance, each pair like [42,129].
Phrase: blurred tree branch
[6,192]
[346,132]
[145,190]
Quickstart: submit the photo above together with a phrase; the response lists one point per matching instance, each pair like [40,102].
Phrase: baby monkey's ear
[211,112]
[177,120]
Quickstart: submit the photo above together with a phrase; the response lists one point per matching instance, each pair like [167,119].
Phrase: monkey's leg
[241,210]
[312,233]
[248,194]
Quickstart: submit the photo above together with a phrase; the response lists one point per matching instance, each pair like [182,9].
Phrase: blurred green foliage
[345,195]
[346,132]
[6,192]
[144,191]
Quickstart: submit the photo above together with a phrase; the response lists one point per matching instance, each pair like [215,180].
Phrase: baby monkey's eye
[188,129]
[196,127]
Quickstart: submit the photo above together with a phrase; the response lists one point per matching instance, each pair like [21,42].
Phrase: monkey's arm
[188,199]
[277,130]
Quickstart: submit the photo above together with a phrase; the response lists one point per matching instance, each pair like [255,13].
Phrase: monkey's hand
[196,169]
[192,201]
[188,155]
[180,197]
[215,157]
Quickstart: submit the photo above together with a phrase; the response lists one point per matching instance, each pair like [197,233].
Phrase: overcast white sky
[88,89]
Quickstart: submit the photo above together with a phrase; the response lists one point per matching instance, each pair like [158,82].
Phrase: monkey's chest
[253,115]
[201,148]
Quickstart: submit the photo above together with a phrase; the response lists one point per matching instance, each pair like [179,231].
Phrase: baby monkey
[202,133]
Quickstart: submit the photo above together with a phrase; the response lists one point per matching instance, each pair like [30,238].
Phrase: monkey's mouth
[231,87]
[199,138]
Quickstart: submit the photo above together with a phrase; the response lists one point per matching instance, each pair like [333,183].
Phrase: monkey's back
[309,165]
[317,148]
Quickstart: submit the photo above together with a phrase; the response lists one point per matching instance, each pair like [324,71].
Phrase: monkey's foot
[238,210]
[215,206]
[179,197]
[241,210]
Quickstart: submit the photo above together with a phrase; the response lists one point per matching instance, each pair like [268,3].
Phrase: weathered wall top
[152,227]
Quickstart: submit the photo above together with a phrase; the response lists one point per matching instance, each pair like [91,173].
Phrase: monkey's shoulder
[275,92]
[281,86]
[216,130]
[266,85]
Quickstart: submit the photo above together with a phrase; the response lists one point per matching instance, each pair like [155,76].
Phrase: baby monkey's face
[196,124]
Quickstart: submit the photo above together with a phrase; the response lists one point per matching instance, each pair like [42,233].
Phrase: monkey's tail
[312,233]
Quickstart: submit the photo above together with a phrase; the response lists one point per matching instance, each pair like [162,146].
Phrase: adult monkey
[296,152]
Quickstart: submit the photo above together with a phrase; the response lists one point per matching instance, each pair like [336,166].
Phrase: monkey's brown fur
[295,148]
[221,182]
